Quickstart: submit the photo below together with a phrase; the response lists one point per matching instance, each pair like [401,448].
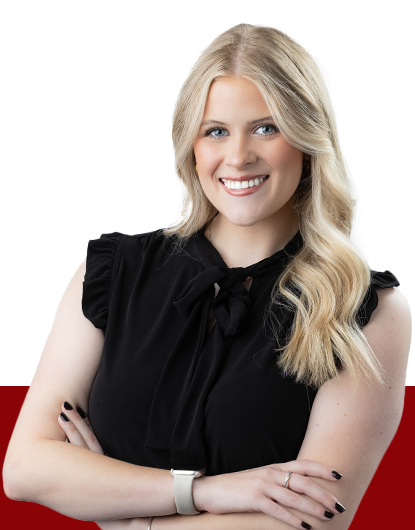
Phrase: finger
[84,416]
[301,484]
[71,431]
[292,499]
[273,509]
[86,432]
[311,469]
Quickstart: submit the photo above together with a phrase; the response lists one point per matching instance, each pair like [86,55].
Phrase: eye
[214,129]
[268,129]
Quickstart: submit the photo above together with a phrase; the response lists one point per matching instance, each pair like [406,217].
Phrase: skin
[348,431]
[252,227]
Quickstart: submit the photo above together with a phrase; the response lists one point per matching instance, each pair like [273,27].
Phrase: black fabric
[170,394]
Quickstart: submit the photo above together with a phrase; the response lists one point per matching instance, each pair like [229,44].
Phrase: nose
[239,153]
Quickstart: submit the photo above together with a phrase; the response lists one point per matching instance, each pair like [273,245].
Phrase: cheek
[285,156]
[206,156]
[287,162]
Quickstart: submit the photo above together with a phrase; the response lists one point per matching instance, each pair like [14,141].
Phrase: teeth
[237,185]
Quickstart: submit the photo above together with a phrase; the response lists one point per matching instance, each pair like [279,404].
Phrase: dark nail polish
[340,508]
[305,525]
[329,515]
[68,440]
[81,412]
[67,406]
[64,416]
[336,475]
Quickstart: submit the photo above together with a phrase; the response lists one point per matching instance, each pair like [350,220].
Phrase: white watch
[183,481]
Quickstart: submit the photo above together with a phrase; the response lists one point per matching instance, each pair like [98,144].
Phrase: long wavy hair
[326,281]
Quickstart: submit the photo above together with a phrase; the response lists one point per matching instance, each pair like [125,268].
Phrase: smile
[244,187]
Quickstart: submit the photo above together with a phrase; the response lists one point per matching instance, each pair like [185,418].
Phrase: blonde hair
[326,281]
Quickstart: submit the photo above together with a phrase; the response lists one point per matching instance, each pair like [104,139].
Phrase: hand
[79,432]
[78,429]
[262,489]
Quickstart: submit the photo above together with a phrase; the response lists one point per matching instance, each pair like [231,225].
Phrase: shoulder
[393,301]
[110,244]
[140,238]
[144,240]
[389,332]
[106,257]
[391,320]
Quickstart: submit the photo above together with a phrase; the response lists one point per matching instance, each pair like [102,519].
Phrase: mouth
[247,186]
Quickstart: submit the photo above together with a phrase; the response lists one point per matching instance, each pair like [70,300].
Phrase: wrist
[199,493]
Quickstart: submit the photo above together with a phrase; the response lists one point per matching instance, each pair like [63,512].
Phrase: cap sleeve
[370,302]
[99,269]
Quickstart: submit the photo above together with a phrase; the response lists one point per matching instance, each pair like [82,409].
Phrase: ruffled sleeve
[99,272]
[370,302]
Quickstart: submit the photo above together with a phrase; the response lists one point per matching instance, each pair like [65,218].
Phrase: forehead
[234,96]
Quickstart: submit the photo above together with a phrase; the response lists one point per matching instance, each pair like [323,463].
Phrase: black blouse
[170,394]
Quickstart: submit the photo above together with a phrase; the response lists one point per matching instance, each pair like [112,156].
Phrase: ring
[287,479]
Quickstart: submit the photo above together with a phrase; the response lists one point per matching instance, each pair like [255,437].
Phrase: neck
[241,246]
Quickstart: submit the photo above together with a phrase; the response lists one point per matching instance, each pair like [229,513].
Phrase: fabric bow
[231,305]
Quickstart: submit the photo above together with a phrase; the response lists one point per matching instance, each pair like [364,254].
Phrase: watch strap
[183,485]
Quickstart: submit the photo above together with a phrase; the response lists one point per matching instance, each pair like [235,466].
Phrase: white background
[87,93]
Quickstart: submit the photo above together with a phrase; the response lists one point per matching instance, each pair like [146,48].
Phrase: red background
[388,502]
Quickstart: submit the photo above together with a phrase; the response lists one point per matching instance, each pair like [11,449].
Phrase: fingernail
[67,406]
[64,416]
[329,515]
[305,525]
[336,474]
[340,508]
[81,412]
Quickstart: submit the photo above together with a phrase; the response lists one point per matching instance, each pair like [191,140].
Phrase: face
[239,144]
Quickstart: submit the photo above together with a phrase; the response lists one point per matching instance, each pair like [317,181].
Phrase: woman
[250,341]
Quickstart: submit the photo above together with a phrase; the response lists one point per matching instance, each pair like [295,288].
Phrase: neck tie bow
[233,302]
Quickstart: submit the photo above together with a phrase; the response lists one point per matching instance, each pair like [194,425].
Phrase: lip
[244,191]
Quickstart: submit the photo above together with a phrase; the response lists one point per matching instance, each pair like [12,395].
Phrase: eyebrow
[217,122]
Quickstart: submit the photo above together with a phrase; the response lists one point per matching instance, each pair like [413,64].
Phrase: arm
[40,467]
[78,430]
[110,487]
[348,430]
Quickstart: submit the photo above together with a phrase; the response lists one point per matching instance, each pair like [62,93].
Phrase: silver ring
[287,479]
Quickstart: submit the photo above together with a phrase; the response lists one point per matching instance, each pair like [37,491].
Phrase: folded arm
[348,429]
[40,467]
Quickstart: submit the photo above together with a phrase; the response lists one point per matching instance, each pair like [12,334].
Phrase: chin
[244,220]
